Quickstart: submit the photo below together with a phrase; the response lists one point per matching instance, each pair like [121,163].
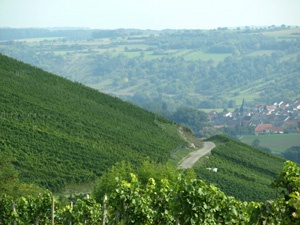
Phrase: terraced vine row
[188,202]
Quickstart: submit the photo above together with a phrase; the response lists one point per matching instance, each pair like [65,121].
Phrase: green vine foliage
[84,210]
[199,203]
[285,210]
[26,210]
[157,202]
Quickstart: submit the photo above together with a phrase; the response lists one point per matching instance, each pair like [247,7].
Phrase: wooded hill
[59,132]
[243,171]
[163,70]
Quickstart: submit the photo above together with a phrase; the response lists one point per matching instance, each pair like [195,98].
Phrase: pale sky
[148,14]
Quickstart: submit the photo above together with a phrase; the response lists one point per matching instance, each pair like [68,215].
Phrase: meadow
[276,142]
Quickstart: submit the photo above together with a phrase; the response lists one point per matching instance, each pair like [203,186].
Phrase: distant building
[278,130]
[264,128]
[271,108]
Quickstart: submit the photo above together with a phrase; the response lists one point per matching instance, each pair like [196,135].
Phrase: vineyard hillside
[58,132]
[243,171]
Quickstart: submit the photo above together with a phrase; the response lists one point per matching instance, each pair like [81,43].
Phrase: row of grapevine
[188,202]
[45,209]
[239,167]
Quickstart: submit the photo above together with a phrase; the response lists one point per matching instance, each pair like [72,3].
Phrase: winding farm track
[193,157]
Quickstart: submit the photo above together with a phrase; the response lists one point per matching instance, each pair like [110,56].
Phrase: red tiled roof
[262,127]
[270,107]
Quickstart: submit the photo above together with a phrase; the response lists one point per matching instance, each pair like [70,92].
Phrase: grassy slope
[243,171]
[61,132]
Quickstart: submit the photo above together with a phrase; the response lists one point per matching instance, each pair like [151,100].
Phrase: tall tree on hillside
[293,154]
[9,181]
[8,175]
[193,118]
[242,108]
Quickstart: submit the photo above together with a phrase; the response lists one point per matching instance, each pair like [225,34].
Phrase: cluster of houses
[281,117]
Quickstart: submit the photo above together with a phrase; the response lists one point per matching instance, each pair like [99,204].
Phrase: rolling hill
[163,70]
[59,132]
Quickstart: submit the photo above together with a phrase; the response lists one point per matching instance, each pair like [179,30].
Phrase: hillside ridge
[243,171]
[59,132]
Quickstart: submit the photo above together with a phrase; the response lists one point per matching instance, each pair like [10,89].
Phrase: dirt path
[193,157]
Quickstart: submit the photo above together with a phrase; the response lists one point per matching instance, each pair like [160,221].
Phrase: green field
[276,142]
[200,55]
[284,34]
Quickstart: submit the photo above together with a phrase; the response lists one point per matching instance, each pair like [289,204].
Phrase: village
[279,118]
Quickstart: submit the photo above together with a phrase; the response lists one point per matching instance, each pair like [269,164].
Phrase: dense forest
[165,70]
[58,132]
